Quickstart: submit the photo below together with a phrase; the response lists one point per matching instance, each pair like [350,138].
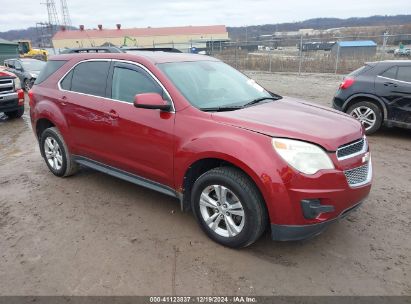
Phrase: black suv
[378,93]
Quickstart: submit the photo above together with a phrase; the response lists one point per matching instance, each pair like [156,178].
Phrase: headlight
[33,75]
[17,84]
[306,158]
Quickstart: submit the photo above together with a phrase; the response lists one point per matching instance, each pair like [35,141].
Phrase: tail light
[20,96]
[347,83]
[31,98]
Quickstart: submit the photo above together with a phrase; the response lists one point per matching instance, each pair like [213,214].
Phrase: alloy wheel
[365,115]
[222,211]
[53,153]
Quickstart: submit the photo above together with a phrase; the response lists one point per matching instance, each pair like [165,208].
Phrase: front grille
[6,86]
[359,176]
[352,149]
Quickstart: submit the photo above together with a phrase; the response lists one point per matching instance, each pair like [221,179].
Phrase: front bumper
[302,232]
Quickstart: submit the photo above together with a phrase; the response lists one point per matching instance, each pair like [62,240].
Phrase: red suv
[192,127]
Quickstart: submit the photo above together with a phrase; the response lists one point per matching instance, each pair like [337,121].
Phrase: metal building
[182,38]
[8,50]
[358,48]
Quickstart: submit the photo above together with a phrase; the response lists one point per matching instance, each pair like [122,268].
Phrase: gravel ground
[92,234]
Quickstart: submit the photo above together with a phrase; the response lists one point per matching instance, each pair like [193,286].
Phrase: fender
[232,147]
[45,109]
[376,98]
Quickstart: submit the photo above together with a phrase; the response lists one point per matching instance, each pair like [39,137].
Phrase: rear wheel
[15,114]
[229,207]
[55,153]
[368,113]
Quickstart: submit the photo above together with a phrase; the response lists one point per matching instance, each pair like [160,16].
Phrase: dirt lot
[92,234]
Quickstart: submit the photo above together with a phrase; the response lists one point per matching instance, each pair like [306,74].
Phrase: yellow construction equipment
[27,51]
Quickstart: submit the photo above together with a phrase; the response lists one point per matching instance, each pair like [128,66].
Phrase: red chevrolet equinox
[189,126]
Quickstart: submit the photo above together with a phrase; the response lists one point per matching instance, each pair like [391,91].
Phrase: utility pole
[65,13]
[301,55]
[384,43]
[52,13]
[337,58]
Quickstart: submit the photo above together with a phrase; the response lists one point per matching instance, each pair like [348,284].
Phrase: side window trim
[109,76]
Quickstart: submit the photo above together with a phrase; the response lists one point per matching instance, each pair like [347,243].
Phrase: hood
[6,74]
[296,119]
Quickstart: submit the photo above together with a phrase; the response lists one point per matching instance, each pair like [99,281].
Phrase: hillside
[239,33]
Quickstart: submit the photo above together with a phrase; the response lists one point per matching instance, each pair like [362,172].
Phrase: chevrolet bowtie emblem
[366,157]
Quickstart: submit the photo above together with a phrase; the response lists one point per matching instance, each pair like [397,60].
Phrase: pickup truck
[11,94]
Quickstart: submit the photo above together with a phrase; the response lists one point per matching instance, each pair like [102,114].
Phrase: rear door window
[390,73]
[90,78]
[404,74]
[360,70]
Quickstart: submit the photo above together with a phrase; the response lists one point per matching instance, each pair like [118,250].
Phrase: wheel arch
[47,114]
[202,165]
[366,97]
[43,124]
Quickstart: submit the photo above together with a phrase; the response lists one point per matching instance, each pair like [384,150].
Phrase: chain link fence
[339,55]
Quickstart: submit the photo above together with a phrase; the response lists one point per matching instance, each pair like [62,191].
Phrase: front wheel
[369,114]
[229,207]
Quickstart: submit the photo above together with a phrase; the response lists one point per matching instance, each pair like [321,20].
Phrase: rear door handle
[113,114]
[390,84]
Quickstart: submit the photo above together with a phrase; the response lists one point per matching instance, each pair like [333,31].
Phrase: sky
[20,14]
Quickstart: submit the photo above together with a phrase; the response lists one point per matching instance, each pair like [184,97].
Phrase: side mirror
[151,101]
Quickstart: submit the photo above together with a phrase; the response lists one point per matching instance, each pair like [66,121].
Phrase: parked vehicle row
[11,94]
[189,126]
[404,52]
[26,69]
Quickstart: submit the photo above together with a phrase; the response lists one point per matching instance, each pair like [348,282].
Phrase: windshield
[33,65]
[211,84]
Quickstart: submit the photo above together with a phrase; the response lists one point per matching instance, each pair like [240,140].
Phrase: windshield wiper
[221,109]
[258,100]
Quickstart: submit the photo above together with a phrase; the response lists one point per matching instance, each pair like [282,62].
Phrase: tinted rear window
[49,69]
[404,73]
[361,70]
[90,78]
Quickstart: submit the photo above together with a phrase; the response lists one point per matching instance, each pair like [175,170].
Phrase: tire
[238,187]
[28,83]
[360,110]
[58,159]
[15,114]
